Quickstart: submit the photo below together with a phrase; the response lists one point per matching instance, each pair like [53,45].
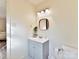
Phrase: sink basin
[40,40]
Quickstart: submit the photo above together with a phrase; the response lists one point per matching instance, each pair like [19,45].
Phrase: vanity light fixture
[43,12]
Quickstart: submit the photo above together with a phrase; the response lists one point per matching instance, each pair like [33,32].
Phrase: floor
[2,50]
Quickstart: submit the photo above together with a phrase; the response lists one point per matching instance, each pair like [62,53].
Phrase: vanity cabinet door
[38,51]
[31,52]
[34,50]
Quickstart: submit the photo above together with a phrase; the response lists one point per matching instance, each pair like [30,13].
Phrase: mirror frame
[47,24]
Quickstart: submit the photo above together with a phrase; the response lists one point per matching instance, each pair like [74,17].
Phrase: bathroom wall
[2,24]
[2,8]
[22,10]
[20,19]
[64,31]
[64,14]
[2,15]
[63,23]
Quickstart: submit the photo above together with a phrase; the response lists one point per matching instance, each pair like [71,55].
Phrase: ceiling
[2,8]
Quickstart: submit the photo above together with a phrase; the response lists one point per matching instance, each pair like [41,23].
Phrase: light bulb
[38,13]
[47,10]
[42,12]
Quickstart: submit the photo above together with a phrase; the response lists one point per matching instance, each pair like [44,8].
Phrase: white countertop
[40,40]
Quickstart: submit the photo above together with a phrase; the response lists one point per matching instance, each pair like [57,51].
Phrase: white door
[17,42]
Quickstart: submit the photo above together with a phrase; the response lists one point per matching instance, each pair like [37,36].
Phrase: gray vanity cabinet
[38,50]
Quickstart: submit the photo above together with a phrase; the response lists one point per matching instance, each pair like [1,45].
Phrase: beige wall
[65,18]
[64,14]
[22,11]
[2,8]
[2,24]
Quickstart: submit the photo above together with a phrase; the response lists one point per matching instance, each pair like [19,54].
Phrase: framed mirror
[43,24]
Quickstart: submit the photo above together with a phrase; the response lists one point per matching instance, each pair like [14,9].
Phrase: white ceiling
[2,8]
